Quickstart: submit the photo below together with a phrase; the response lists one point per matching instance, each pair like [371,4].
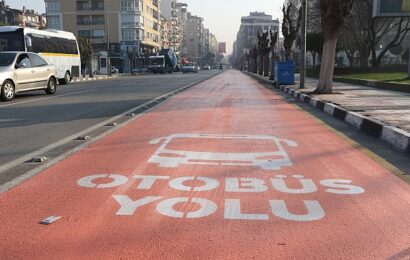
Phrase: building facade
[194,38]
[176,12]
[24,18]
[248,31]
[116,27]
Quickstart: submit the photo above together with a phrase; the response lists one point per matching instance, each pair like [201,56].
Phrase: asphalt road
[34,120]
[225,170]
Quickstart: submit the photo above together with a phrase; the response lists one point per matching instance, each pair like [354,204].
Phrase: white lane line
[45,98]
[47,148]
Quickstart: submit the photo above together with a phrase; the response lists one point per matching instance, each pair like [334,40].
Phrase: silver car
[25,71]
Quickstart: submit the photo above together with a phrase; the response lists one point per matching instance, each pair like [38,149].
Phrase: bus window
[39,43]
[12,41]
[52,45]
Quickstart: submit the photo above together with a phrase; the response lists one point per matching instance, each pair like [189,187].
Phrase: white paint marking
[207,208]
[245,185]
[233,211]
[258,159]
[148,181]
[341,187]
[129,206]
[178,184]
[117,180]
[315,211]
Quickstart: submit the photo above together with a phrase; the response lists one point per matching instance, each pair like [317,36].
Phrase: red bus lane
[226,170]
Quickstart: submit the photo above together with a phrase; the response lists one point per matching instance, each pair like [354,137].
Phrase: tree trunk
[364,58]
[327,67]
[90,68]
[260,65]
[266,65]
[374,58]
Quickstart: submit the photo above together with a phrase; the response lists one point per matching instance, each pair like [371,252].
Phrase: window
[84,33]
[129,5]
[83,5]
[130,34]
[97,5]
[53,7]
[37,61]
[23,58]
[12,41]
[39,43]
[97,19]
[98,33]
[83,20]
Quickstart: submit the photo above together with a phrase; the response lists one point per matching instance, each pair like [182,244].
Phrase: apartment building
[24,17]
[248,31]
[166,33]
[115,27]
[194,38]
[176,12]
[151,43]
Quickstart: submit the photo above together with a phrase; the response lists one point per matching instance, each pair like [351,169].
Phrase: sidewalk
[382,113]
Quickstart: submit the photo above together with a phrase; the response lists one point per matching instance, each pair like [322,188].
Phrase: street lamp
[303,45]
[108,38]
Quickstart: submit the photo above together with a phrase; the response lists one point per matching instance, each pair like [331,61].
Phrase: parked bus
[57,47]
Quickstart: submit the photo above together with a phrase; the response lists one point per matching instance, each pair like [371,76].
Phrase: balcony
[136,25]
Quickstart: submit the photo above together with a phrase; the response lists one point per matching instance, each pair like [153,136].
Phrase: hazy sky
[222,17]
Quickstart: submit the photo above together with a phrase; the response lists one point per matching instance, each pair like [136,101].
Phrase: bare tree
[333,13]
[86,54]
[290,26]
[367,34]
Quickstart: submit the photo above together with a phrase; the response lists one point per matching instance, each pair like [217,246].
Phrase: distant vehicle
[25,71]
[165,62]
[190,67]
[273,159]
[207,67]
[56,47]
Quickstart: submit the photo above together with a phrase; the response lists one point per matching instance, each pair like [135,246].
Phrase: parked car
[25,71]
[207,67]
[190,67]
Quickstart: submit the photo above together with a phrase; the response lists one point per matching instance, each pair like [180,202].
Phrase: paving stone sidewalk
[389,107]
[381,113]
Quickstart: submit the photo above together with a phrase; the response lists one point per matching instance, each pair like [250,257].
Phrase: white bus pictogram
[266,160]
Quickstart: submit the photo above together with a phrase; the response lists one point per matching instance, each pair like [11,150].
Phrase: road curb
[396,137]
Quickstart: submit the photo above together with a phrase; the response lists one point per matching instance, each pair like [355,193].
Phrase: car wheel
[7,90]
[51,86]
[66,79]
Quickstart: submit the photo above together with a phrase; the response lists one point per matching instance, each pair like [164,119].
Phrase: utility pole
[107,31]
[303,45]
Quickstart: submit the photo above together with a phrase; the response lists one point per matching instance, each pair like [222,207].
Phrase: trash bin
[285,73]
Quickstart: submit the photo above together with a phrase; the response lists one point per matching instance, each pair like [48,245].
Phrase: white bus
[57,47]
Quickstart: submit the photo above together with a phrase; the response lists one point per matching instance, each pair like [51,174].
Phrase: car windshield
[6,59]
[190,64]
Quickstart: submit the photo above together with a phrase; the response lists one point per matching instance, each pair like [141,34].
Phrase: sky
[222,17]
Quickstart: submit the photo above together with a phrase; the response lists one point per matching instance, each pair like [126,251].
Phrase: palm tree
[333,13]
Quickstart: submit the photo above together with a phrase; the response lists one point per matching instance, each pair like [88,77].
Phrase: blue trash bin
[285,73]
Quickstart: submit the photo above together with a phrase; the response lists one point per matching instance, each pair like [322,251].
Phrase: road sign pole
[303,45]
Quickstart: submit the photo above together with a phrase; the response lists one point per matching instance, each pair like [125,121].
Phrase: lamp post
[107,31]
[303,45]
